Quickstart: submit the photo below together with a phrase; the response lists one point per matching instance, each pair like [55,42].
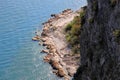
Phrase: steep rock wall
[100,51]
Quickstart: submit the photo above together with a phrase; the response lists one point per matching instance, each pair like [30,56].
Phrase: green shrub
[76,49]
[68,27]
[113,2]
[91,20]
[116,34]
[73,32]
[95,6]
[74,40]
[82,17]
[82,14]
[75,29]
[68,37]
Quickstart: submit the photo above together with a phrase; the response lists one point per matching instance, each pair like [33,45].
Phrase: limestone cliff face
[100,42]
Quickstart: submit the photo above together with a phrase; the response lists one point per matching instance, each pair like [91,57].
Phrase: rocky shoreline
[53,38]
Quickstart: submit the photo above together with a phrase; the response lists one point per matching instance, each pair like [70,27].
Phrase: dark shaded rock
[45,51]
[100,53]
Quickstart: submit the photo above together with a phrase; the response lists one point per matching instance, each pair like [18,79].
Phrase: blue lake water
[20,57]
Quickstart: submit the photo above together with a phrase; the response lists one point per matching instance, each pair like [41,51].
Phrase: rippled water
[20,58]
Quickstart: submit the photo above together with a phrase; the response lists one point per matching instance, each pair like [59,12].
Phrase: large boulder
[36,38]
[45,51]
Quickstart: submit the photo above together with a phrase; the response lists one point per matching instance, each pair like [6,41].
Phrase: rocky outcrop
[36,38]
[53,39]
[100,52]
[45,51]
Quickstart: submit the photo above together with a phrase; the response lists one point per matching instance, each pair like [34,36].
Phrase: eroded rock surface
[100,52]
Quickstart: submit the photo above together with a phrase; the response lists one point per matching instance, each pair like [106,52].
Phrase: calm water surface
[20,58]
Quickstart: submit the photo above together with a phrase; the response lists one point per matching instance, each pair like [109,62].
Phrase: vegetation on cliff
[113,2]
[116,34]
[73,30]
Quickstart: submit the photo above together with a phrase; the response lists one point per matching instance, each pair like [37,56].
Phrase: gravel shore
[53,38]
